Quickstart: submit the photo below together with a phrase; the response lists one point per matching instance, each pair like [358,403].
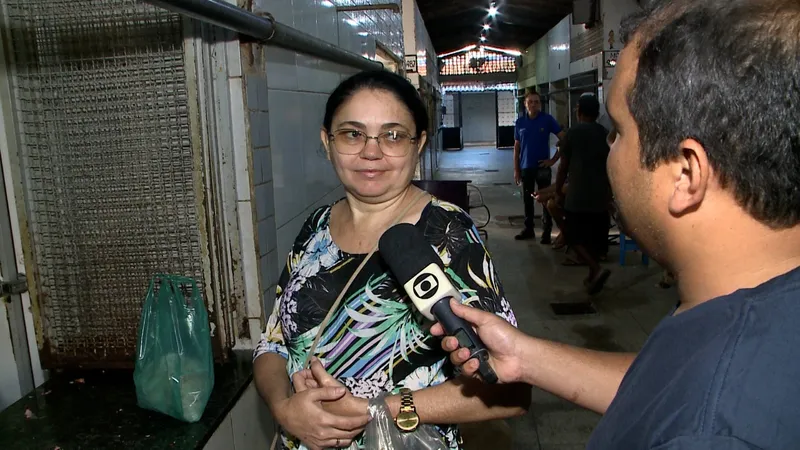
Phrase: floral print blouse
[376,341]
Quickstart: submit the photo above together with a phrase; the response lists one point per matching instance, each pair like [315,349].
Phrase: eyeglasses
[392,143]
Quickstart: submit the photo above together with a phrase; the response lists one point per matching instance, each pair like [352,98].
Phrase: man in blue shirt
[711,190]
[532,162]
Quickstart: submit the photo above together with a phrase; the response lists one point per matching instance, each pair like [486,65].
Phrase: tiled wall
[286,94]
[542,60]
[558,51]
[425,51]
[506,108]
[450,103]
[526,76]
[384,25]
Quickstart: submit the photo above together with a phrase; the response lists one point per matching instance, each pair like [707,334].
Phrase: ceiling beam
[452,43]
[457,26]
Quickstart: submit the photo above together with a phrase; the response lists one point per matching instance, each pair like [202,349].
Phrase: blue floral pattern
[376,341]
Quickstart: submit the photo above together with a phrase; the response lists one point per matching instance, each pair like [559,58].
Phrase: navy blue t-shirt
[722,375]
[534,138]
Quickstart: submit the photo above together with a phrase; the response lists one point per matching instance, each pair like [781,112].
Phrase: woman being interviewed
[376,342]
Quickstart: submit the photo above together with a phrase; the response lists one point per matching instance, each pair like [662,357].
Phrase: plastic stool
[628,245]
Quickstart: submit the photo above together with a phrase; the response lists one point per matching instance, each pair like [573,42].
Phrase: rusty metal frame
[214,287]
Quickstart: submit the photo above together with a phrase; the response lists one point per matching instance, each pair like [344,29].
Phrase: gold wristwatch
[408,419]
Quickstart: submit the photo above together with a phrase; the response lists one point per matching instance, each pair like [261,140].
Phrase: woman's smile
[371,173]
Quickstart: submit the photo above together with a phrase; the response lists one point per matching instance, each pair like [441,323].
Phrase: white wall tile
[330,75]
[269,268]
[305,16]
[281,10]
[222,439]
[252,89]
[558,58]
[288,168]
[270,292]
[327,28]
[321,177]
[259,129]
[252,423]
[262,164]
[265,201]
[281,68]
[542,60]
[266,236]
[288,232]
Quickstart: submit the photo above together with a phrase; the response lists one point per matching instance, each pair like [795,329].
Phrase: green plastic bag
[174,371]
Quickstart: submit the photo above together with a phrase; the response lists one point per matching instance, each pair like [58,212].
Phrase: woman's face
[373,176]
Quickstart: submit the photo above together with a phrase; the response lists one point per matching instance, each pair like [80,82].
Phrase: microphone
[418,268]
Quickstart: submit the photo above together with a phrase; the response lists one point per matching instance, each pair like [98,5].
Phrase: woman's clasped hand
[322,413]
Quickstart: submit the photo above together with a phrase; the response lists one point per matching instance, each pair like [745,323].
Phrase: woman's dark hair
[383,81]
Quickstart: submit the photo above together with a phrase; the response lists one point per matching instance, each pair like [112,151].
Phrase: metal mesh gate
[111,180]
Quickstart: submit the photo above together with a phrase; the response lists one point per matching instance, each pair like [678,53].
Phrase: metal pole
[390,6]
[266,29]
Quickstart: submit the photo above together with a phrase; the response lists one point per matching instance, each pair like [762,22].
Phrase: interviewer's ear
[691,173]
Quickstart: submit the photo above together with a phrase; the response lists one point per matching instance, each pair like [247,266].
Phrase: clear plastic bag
[382,434]
[174,372]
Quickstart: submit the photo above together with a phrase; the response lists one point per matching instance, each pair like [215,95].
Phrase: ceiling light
[327,4]
[483,38]
[363,33]
[465,49]
[486,26]
[503,50]
[492,10]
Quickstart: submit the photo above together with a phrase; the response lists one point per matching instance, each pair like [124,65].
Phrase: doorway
[479,118]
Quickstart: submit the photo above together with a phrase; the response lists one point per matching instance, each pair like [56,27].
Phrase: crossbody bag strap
[342,293]
[333,308]
[338,301]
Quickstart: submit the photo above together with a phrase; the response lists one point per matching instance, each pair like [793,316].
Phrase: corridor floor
[533,278]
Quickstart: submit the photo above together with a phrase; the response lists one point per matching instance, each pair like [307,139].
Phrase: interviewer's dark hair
[727,74]
[383,81]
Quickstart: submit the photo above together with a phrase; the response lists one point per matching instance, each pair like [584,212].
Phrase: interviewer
[705,167]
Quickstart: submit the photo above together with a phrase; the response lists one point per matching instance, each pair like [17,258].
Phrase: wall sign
[411,63]
[610,63]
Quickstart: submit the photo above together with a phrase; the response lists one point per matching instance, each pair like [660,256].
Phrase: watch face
[407,421]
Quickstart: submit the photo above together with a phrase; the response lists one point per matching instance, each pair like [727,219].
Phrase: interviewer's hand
[304,416]
[517,176]
[499,337]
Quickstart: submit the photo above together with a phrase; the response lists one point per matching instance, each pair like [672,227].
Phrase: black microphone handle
[462,330]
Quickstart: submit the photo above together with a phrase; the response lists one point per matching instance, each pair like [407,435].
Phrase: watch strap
[407,400]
